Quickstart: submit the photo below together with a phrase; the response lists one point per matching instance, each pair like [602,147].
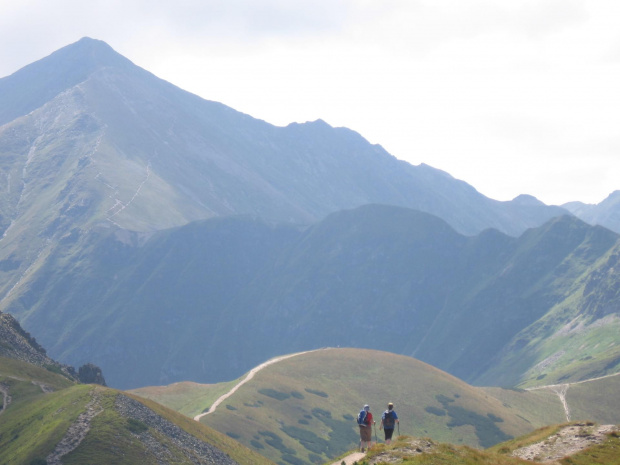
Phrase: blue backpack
[361,418]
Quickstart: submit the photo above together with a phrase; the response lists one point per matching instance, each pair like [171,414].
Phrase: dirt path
[561,389]
[6,398]
[250,375]
[77,431]
[351,458]
[567,441]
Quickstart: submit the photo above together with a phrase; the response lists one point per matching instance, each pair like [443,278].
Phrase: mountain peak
[525,199]
[32,86]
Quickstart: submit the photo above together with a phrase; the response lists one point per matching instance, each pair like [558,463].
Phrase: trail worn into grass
[566,442]
[6,398]
[249,376]
[351,458]
[77,431]
[561,389]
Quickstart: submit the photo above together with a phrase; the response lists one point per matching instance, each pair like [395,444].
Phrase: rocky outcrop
[91,374]
[197,451]
[19,344]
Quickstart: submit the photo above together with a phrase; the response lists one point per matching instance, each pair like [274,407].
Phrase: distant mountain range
[209,300]
[144,229]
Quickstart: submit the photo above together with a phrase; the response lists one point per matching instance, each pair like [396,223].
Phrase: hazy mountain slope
[87,138]
[144,301]
[577,338]
[606,213]
[207,301]
[403,281]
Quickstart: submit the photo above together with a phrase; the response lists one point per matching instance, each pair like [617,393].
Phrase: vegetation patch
[230,407]
[136,426]
[278,395]
[303,421]
[256,444]
[487,432]
[308,439]
[275,441]
[293,460]
[436,411]
[317,393]
[297,395]
[233,435]
[348,417]
[341,436]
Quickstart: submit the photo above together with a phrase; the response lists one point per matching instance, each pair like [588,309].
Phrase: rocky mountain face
[19,344]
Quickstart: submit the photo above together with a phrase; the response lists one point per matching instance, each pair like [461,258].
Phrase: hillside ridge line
[249,376]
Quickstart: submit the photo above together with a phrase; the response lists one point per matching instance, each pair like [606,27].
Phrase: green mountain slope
[484,308]
[45,417]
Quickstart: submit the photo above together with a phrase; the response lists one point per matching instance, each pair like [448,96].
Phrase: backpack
[388,421]
[361,418]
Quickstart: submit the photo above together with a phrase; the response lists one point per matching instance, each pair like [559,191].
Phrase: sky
[512,96]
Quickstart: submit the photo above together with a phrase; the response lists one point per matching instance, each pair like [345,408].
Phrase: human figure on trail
[365,422]
[388,421]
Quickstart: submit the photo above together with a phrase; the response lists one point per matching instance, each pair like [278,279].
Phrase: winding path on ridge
[249,376]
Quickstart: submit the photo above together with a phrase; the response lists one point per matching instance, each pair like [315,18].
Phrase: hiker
[388,421]
[365,422]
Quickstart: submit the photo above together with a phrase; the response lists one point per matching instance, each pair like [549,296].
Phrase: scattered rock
[568,441]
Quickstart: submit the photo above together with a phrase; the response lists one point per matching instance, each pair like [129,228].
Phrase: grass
[607,453]
[335,384]
[32,426]
[188,398]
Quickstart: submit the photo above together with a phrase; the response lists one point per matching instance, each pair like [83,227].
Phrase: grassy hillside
[303,409]
[185,397]
[593,445]
[47,413]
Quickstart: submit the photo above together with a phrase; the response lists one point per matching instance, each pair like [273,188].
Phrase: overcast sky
[514,97]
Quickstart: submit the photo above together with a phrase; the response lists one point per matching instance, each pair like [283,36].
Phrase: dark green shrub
[136,426]
[307,439]
[436,411]
[274,394]
[317,393]
[230,407]
[303,421]
[256,444]
[348,417]
[233,435]
[292,460]
[297,395]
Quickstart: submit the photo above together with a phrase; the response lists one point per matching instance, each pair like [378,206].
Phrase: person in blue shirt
[388,421]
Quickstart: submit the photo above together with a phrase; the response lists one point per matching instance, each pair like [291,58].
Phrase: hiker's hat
[366,407]
[390,404]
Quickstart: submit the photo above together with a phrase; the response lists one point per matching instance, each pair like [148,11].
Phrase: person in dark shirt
[388,421]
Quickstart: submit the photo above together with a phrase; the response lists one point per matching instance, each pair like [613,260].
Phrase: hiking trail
[249,376]
[561,389]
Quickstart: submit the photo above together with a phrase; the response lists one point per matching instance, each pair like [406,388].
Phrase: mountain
[606,213]
[90,140]
[488,308]
[46,417]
